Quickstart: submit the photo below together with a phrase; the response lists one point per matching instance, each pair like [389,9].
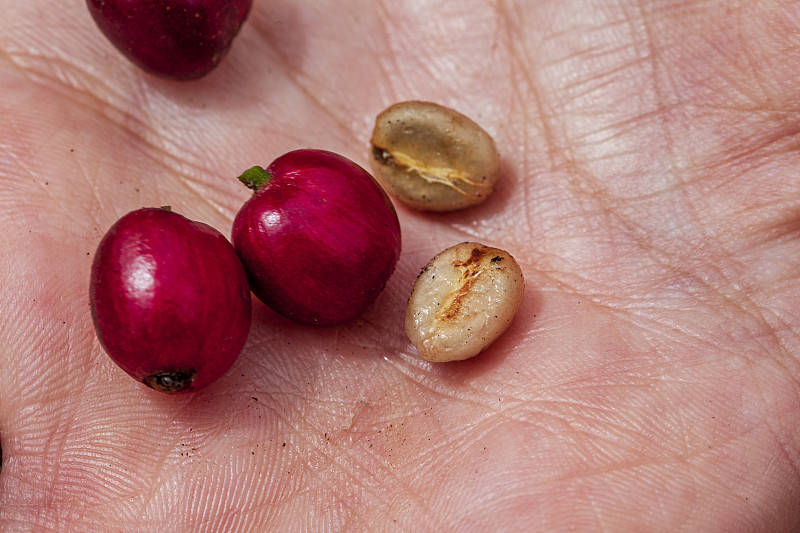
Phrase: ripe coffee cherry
[169,299]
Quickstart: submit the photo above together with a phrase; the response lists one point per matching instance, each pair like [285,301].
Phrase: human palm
[648,190]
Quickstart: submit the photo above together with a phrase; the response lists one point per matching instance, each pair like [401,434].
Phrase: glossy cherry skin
[169,300]
[319,240]
[176,39]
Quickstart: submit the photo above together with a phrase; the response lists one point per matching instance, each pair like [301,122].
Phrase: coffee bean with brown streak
[462,301]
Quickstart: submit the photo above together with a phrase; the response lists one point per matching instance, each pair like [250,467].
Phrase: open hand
[649,191]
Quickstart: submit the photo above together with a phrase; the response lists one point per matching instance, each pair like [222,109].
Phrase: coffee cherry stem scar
[170,382]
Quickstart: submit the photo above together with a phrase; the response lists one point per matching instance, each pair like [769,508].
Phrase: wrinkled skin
[649,192]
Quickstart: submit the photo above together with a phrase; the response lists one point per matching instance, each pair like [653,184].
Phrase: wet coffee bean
[433,158]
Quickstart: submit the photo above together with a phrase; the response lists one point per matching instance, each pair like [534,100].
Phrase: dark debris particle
[496,259]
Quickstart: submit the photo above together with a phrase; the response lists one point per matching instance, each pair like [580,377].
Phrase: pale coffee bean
[462,301]
[433,158]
